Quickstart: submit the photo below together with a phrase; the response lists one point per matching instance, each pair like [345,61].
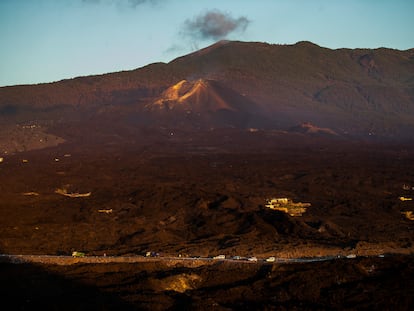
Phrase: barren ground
[203,194]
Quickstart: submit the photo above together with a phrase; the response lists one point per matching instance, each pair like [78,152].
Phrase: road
[70,260]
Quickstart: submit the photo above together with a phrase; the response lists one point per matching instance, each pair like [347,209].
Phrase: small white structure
[220,257]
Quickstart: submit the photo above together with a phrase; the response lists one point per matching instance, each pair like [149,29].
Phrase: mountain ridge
[350,90]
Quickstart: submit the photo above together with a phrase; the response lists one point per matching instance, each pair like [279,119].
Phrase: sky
[50,40]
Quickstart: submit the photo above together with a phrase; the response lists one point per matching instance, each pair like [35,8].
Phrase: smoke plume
[213,25]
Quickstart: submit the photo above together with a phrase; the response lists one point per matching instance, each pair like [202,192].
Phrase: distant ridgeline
[353,92]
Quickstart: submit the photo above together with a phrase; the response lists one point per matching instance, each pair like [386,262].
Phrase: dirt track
[191,262]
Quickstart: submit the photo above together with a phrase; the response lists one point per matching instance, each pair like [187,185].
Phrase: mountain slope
[358,91]
[204,104]
[199,96]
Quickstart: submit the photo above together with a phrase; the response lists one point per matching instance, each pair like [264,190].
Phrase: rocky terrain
[361,283]
[204,194]
[181,159]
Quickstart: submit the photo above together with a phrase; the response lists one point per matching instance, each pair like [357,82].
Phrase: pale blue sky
[50,40]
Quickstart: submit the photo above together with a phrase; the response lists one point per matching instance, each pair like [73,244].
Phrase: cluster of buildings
[287,206]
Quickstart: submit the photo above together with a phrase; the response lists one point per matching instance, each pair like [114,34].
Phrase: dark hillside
[356,91]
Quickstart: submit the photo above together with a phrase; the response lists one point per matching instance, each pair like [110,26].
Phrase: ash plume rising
[213,24]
